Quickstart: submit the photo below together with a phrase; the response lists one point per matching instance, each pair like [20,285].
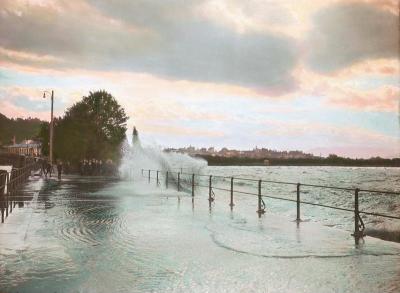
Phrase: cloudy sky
[319,76]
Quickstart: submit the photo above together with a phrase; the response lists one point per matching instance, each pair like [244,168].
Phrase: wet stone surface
[98,235]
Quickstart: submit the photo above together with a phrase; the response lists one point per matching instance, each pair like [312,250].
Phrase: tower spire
[135,136]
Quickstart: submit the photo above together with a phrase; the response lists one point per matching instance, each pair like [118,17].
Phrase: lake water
[96,235]
[384,179]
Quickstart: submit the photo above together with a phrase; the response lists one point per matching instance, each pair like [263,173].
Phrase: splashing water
[137,157]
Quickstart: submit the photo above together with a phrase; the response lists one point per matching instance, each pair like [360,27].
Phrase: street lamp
[51,124]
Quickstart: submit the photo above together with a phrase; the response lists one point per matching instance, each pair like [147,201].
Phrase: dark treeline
[332,160]
[18,127]
[92,130]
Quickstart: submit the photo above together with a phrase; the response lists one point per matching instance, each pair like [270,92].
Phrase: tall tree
[92,128]
[43,137]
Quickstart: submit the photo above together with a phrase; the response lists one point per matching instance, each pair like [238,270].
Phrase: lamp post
[51,124]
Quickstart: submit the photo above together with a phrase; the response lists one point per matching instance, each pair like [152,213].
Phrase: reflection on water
[95,235]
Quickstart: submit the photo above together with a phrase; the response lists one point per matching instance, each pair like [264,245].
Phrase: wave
[384,234]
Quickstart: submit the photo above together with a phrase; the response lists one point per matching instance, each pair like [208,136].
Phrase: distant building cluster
[26,148]
[256,153]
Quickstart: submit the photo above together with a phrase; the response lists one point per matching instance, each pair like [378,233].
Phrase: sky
[317,76]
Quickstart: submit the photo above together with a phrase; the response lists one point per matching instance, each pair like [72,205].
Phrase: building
[26,148]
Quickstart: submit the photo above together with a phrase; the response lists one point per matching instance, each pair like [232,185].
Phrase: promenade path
[91,234]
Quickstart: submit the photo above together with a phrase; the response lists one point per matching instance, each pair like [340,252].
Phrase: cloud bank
[214,69]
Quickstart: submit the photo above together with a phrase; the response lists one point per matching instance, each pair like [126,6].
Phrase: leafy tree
[92,128]
[43,137]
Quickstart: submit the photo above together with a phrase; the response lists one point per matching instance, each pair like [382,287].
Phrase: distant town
[267,157]
[255,153]
[29,137]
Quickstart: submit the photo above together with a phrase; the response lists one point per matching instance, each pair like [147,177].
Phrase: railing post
[179,181]
[13,189]
[2,202]
[8,192]
[210,189]
[149,175]
[166,180]
[3,197]
[192,185]
[260,210]
[231,203]
[357,233]
[157,178]
[298,202]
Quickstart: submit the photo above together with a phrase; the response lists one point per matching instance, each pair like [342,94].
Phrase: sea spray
[137,157]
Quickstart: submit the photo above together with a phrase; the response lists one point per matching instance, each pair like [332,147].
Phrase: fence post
[3,197]
[298,203]
[166,180]
[210,188]
[231,203]
[157,178]
[260,201]
[14,189]
[8,192]
[149,175]
[193,185]
[2,202]
[357,233]
[179,181]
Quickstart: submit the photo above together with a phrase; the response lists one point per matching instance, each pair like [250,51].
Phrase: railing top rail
[297,200]
[285,182]
[380,191]
[308,203]
[329,187]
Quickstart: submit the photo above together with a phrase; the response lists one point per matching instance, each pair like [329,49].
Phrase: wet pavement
[97,235]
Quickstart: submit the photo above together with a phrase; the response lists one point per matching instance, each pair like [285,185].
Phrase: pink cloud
[389,5]
[385,99]
[12,111]
[327,138]
[341,90]
[179,131]
[356,151]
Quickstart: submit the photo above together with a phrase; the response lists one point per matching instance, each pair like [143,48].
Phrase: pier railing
[188,182]
[10,184]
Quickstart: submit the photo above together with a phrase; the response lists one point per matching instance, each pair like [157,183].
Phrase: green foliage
[21,128]
[92,128]
[43,136]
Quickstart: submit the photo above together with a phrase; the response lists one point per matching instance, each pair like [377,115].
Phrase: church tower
[135,137]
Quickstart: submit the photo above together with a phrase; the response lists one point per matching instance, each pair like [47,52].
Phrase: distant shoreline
[322,162]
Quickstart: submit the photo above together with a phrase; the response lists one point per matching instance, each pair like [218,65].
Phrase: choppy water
[94,235]
[384,179]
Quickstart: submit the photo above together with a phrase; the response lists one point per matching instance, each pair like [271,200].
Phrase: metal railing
[9,186]
[176,178]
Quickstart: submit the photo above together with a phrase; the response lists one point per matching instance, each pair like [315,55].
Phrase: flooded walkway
[97,235]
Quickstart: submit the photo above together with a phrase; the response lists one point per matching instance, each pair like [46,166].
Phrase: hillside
[21,128]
